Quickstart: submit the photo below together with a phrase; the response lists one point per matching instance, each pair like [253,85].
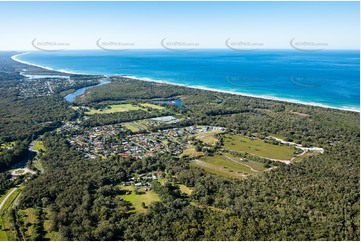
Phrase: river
[71,97]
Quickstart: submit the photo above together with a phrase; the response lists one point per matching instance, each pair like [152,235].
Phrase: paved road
[7,197]
[26,170]
[31,148]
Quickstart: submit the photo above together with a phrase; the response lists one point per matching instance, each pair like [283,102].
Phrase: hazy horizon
[202,25]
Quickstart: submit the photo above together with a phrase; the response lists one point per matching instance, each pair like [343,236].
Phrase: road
[318,149]
[31,148]
[50,88]
[26,170]
[7,197]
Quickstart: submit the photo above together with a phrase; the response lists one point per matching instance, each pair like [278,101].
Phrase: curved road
[7,197]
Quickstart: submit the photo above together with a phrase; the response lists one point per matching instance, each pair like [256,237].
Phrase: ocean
[329,78]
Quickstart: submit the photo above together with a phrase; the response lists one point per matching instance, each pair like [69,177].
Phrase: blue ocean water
[330,78]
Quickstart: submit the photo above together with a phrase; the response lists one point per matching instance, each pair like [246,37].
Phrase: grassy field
[8,145]
[207,137]
[229,166]
[191,152]
[153,106]
[137,126]
[116,108]
[185,189]
[304,156]
[28,217]
[257,147]
[39,145]
[136,200]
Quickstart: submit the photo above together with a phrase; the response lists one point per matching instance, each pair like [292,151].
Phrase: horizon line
[183,49]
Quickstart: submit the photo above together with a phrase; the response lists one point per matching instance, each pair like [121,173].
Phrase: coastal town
[112,140]
[45,85]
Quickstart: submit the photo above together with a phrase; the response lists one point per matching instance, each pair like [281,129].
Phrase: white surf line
[265,97]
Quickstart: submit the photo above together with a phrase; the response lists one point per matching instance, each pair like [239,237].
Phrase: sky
[143,25]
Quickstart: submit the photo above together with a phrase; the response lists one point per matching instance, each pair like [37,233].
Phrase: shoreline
[293,101]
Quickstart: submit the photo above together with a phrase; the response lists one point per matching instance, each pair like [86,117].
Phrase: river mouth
[71,97]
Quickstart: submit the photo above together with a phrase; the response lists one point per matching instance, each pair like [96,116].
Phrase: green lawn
[257,147]
[229,166]
[153,106]
[136,200]
[39,145]
[185,189]
[115,108]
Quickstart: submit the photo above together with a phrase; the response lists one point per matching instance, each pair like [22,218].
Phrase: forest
[78,198]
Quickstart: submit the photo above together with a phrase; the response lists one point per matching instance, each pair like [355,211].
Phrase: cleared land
[208,138]
[304,156]
[28,217]
[39,145]
[191,152]
[257,147]
[7,145]
[115,108]
[145,124]
[137,126]
[136,200]
[185,189]
[153,106]
[229,166]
